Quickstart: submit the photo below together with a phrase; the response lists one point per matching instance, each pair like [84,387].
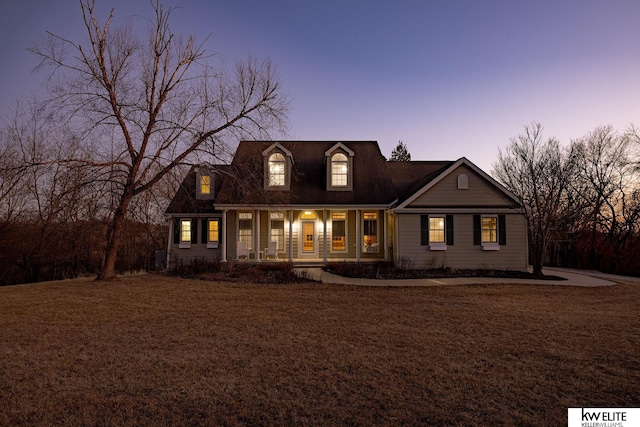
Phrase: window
[205,184]
[213,231]
[245,228]
[185,231]
[339,170]
[436,229]
[338,231]
[277,170]
[489,229]
[276,233]
[370,231]
[210,232]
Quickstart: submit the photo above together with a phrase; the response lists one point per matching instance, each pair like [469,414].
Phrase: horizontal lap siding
[463,254]
[446,192]
[196,251]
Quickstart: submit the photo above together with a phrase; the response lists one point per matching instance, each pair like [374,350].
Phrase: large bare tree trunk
[114,237]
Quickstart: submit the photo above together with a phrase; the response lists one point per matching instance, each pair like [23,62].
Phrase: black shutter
[477,230]
[449,225]
[176,231]
[204,231]
[424,229]
[194,231]
[502,230]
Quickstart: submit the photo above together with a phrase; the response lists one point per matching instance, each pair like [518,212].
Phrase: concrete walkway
[573,278]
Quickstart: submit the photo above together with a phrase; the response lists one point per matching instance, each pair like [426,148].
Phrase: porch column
[385,236]
[224,235]
[324,235]
[256,238]
[290,235]
[358,239]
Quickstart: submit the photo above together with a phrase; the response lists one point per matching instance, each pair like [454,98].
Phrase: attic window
[463,182]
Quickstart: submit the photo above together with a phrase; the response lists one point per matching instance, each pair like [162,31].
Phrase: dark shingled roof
[409,177]
[371,183]
[184,201]
[376,181]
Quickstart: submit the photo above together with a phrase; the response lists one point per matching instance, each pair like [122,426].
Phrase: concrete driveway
[581,278]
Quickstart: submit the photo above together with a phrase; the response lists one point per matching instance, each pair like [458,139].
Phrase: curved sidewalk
[573,278]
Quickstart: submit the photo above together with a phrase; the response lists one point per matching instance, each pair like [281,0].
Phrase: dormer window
[277,170]
[278,163]
[205,184]
[339,170]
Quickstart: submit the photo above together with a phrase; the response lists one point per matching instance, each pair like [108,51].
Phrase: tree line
[581,200]
[85,172]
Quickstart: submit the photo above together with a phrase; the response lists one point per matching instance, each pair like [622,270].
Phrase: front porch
[305,236]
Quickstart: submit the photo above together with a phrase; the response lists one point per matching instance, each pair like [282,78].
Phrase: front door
[308,241]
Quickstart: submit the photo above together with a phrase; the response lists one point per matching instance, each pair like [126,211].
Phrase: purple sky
[449,78]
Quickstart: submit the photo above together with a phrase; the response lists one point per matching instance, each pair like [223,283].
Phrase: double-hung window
[277,170]
[370,231]
[339,231]
[213,233]
[339,170]
[245,228]
[205,184]
[185,233]
[436,231]
[276,229]
[490,231]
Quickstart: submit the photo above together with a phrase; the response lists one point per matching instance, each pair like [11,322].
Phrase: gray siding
[446,192]
[463,254]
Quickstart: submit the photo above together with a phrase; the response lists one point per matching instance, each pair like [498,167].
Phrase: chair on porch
[271,250]
[242,250]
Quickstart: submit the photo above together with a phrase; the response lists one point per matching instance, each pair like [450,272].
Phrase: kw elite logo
[603,417]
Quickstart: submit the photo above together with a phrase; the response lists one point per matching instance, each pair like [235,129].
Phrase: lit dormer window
[339,170]
[278,164]
[277,171]
[205,184]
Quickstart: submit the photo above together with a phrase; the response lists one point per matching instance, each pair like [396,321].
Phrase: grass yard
[155,350]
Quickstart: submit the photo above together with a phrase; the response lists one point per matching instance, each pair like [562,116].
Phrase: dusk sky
[449,78]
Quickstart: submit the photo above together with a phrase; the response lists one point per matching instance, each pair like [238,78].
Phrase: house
[323,201]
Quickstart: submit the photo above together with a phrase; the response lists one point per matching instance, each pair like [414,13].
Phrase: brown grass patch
[153,350]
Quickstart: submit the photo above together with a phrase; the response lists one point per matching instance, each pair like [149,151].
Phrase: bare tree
[158,100]
[608,187]
[538,172]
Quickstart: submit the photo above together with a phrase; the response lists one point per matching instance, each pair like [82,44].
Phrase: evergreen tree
[400,153]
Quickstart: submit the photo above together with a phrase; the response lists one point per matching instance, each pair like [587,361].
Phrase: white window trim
[438,246]
[375,249]
[185,244]
[215,243]
[284,229]
[346,233]
[251,242]
[490,246]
